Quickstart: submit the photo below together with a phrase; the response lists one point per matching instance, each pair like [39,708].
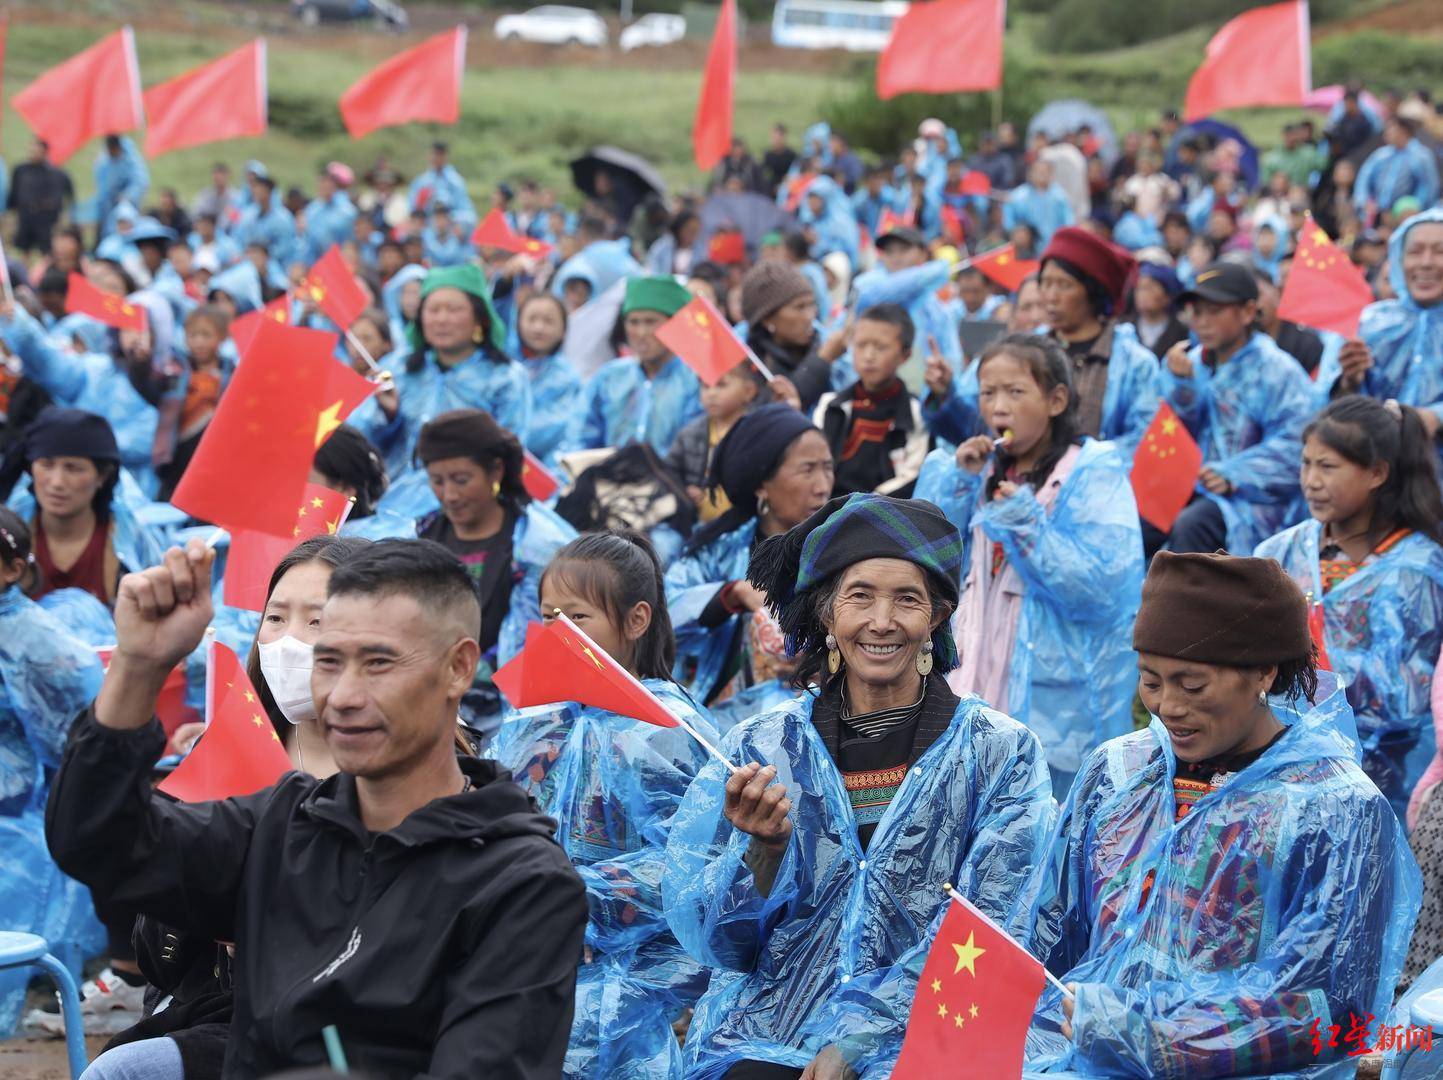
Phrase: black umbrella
[632,179]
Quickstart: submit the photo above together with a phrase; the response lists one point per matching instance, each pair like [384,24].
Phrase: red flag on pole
[973,1003]
[243,328]
[289,394]
[225,99]
[1166,468]
[495,232]
[95,92]
[332,287]
[1004,267]
[701,337]
[538,480]
[239,753]
[83,298]
[944,47]
[711,133]
[253,555]
[421,84]
[1324,289]
[1317,627]
[1262,57]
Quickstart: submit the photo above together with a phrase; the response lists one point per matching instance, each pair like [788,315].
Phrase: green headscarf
[661,294]
[468,279]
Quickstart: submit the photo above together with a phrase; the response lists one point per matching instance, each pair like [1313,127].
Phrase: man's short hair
[893,315]
[421,569]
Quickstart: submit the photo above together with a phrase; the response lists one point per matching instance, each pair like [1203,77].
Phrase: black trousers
[1200,527]
[762,1070]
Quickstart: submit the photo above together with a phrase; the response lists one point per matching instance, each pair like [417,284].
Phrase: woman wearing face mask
[555,384]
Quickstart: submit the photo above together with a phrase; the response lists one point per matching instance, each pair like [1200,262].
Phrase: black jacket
[446,947]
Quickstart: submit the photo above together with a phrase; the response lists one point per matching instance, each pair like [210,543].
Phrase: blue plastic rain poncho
[1135,232]
[1248,418]
[443,187]
[328,221]
[702,653]
[92,381]
[915,288]
[1283,244]
[391,298]
[975,809]
[1391,173]
[122,179]
[1383,628]
[273,228]
[1129,400]
[614,785]
[444,248]
[834,224]
[1078,560]
[620,405]
[556,397]
[242,283]
[1046,211]
[1211,946]
[602,263]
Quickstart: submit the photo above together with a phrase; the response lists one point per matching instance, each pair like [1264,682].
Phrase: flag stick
[636,683]
[955,895]
[215,538]
[5,276]
[766,371]
[366,356]
[209,673]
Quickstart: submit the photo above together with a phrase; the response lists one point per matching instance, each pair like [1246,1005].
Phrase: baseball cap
[1222,283]
[901,234]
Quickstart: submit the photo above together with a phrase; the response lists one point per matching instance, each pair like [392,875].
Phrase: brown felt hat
[1221,609]
[768,287]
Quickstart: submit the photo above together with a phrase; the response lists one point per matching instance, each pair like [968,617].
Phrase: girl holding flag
[1370,562]
[614,785]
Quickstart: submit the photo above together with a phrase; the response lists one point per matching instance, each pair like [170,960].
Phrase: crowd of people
[892,566]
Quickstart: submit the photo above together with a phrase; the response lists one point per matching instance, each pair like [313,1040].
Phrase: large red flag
[422,83]
[83,298]
[560,663]
[239,753]
[332,287]
[711,133]
[253,555]
[243,327]
[944,47]
[95,92]
[1324,289]
[495,232]
[701,337]
[1262,57]
[1004,267]
[285,399]
[1165,469]
[973,1003]
[225,99]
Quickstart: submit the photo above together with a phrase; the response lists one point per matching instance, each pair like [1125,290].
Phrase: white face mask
[286,665]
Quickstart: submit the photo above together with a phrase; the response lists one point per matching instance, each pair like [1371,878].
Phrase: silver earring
[1263,698]
[834,658]
[924,659]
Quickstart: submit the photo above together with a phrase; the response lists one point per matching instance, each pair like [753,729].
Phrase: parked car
[653,29]
[315,12]
[554,24]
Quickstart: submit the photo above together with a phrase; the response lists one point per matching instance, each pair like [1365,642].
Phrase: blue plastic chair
[32,950]
[1421,1006]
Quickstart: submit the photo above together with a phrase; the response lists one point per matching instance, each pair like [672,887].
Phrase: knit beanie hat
[768,287]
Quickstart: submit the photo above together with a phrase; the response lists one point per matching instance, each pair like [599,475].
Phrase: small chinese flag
[253,555]
[243,328]
[974,1001]
[495,232]
[83,298]
[1324,289]
[727,248]
[240,752]
[1317,626]
[975,183]
[701,337]
[540,484]
[332,287]
[1166,468]
[888,220]
[1004,267]
[560,663]
[250,469]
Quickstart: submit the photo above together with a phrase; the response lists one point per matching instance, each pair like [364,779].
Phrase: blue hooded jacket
[1046,211]
[391,297]
[1390,173]
[329,221]
[620,405]
[446,188]
[975,810]
[614,785]
[602,263]
[274,228]
[1213,945]
[1383,629]
[242,283]
[836,225]
[915,288]
[556,395]
[124,179]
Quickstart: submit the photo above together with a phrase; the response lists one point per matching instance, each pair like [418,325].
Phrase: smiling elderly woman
[886,786]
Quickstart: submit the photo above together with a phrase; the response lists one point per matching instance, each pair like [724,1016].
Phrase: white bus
[857,25]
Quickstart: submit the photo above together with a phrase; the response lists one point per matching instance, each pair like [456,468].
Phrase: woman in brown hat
[780,310]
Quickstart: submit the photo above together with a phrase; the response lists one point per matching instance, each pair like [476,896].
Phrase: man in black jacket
[38,194]
[416,901]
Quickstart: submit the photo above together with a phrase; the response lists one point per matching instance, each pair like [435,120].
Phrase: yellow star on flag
[250,698]
[1169,426]
[257,721]
[300,511]
[957,1019]
[700,318]
[942,1011]
[317,292]
[972,1011]
[331,527]
[967,954]
[318,503]
[327,422]
[587,650]
[1004,259]
[936,986]
[1321,238]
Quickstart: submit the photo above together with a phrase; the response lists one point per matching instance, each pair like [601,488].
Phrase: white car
[654,29]
[554,24]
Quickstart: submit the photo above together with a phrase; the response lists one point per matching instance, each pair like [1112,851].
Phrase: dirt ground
[40,1059]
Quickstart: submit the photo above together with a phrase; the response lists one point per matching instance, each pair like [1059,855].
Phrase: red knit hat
[1106,263]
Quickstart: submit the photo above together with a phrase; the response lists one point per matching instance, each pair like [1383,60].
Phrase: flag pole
[209,674]
[215,538]
[5,275]
[365,355]
[765,371]
[955,895]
